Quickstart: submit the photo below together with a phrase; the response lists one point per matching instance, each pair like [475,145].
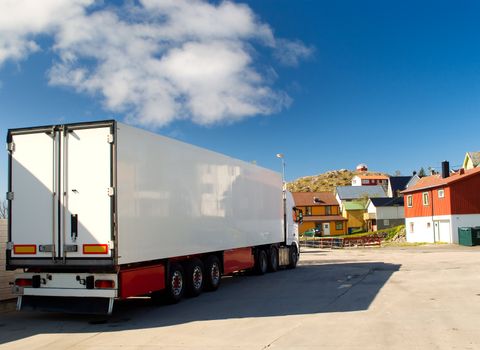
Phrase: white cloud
[155,61]
[290,52]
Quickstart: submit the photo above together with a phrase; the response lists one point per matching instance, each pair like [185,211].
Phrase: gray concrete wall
[392,223]
[5,276]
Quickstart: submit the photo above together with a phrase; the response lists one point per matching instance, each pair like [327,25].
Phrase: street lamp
[284,195]
[281,156]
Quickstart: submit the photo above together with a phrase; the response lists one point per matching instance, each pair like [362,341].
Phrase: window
[339,225]
[308,211]
[425,198]
[328,210]
[386,222]
[441,193]
[409,201]
[411,227]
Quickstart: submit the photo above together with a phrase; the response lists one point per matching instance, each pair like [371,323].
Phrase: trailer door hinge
[111,245]
[111,191]
[70,248]
[110,138]
[11,147]
[9,245]
[10,196]
[46,248]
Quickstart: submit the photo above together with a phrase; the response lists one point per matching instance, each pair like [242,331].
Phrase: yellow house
[472,160]
[320,211]
[353,212]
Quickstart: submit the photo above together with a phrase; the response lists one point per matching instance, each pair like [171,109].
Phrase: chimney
[445,169]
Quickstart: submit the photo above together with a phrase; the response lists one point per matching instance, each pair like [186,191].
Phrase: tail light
[104,284]
[23,282]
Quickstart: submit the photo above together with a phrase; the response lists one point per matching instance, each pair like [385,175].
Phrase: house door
[326,229]
[442,231]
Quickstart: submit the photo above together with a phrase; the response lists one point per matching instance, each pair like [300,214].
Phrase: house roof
[474,157]
[314,198]
[413,180]
[433,181]
[324,218]
[354,205]
[356,192]
[387,202]
[399,183]
[381,177]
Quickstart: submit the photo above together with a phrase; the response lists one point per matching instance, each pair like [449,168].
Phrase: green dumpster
[469,236]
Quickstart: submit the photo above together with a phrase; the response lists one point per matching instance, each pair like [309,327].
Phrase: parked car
[313,232]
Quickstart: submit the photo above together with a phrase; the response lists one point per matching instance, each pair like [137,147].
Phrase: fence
[333,242]
[5,276]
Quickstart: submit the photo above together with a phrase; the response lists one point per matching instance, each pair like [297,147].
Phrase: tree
[398,173]
[421,172]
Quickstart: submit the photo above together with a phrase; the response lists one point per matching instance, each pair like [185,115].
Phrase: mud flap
[74,305]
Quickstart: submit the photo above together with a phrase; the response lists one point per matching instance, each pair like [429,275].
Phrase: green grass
[388,234]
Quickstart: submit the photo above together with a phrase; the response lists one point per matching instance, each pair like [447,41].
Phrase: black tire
[194,277]
[213,273]
[293,256]
[273,259]
[175,284]
[261,262]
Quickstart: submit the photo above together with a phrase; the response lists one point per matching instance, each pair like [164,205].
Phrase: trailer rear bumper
[80,285]
[64,292]
[91,305]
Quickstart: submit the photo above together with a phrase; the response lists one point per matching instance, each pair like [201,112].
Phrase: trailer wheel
[273,259]
[213,274]
[293,255]
[261,262]
[175,283]
[194,277]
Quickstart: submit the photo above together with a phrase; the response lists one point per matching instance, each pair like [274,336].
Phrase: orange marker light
[24,249]
[95,249]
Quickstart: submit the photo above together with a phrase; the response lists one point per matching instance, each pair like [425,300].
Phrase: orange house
[320,211]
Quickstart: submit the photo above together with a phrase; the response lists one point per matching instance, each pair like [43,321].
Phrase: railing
[333,242]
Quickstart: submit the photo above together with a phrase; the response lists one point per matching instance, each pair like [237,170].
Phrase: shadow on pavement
[309,289]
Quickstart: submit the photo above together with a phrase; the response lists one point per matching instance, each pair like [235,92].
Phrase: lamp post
[284,196]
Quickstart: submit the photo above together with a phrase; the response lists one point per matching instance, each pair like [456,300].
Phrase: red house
[436,206]
[370,180]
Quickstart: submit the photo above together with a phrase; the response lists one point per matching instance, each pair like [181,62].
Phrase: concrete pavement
[375,298]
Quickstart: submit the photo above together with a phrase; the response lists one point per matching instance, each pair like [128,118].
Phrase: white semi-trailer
[102,211]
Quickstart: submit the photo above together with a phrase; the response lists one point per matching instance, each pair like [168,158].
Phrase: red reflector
[23,282]
[104,284]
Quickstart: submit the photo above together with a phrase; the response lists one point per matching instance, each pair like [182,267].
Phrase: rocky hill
[326,182]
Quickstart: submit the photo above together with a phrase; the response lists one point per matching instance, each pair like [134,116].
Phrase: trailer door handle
[74,227]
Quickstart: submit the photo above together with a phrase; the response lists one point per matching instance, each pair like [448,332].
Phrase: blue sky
[395,85]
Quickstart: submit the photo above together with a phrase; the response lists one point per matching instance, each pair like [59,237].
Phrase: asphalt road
[374,298]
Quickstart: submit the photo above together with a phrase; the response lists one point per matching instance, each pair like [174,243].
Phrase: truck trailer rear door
[88,193]
[33,194]
[61,195]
